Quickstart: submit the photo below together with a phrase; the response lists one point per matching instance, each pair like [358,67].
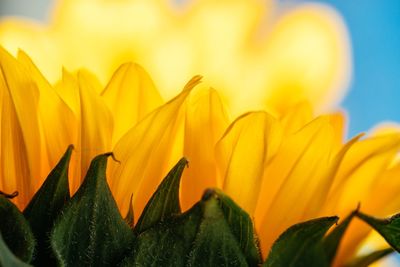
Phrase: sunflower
[255,136]
[281,170]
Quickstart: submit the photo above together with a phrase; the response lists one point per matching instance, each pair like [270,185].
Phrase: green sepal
[367,260]
[215,244]
[199,237]
[332,240]
[130,216]
[167,243]
[241,226]
[7,258]
[91,231]
[389,228]
[301,245]
[16,231]
[165,201]
[45,206]
[162,213]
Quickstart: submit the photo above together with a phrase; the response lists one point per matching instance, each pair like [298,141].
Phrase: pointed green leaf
[241,226]
[7,258]
[165,201]
[215,244]
[130,217]
[199,237]
[91,231]
[15,230]
[301,245]
[45,206]
[331,242]
[367,260]
[167,243]
[389,228]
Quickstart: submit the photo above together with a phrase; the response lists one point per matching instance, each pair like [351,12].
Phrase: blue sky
[374,28]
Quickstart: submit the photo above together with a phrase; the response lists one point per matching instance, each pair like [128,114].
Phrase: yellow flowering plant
[275,174]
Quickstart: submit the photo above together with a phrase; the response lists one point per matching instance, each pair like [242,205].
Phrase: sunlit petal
[56,116]
[96,123]
[283,198]
[242,154]
[20,135]
[205,122]
[130,95]
[149,150]
[361,167]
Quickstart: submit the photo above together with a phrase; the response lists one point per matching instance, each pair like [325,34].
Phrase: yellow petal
[292,179]
[148,151]
[294,118]
[205,122]
[242,154]
[377,203]
[20,136]
[321,196]
[57,122]
[389,202]
[96,123]
[338,121]
[68,89]
[361,167]
[15,174]
[130,95]
[92,79]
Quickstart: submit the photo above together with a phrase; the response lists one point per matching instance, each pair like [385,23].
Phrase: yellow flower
[245,48]
[281,164]
[282,170]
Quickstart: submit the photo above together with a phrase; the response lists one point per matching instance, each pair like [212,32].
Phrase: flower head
[281,170]
[282,164]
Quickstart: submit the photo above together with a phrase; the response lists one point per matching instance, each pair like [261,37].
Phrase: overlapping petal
[282,164]
[282,170]
[242,154]
[148,150]
[205,121]
[20,135]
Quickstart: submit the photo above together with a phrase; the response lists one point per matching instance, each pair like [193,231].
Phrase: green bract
[87,229]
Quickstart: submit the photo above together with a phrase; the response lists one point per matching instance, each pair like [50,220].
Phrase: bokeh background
[374,27]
